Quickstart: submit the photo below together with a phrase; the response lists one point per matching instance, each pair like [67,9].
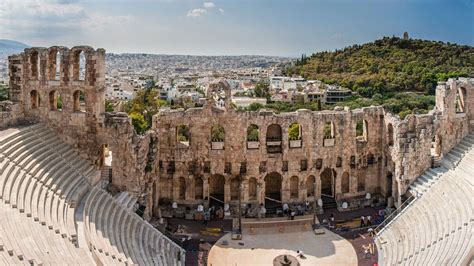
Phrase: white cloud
[221,10]
[209,5]
[197,12]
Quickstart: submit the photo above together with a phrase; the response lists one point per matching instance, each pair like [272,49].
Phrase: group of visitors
[295,209]
[365,221]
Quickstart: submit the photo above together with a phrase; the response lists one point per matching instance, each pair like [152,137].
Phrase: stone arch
[329,134]
[182,134]
[362,130]
[198,188]
[461,100]
[294,187]
[252,133]
[252,188]
[219,86]
[34,99]
[345,183]
[55,101]
[216,186]
[310,183]
[217,133]
[274,138]
[234,188]
[328,176]
[79,101]
[54,63]
[79,65]
[181,188]
[35,65]
[390,134]
[273,184]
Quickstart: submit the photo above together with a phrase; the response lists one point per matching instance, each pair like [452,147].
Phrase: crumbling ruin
[189,156]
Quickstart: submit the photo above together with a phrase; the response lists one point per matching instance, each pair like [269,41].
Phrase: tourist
[306,206]
[300,210]
[292,213]
[369,222]
[285,209]
[362,221]
[200,208]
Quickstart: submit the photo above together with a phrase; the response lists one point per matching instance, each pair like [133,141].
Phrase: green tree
[252,133]
[139,122]
[294,132]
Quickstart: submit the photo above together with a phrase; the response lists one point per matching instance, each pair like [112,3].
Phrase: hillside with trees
[389,65]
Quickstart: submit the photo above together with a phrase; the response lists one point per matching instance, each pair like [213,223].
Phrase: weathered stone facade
[343,154]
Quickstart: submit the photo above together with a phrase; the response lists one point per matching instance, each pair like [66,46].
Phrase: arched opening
[274,137]
[234,189]
[273,187]
[310,183]
[216,187]
[252,137]
[79,66]
[55,101]
[79,101]
[361,182]
[460,100]
[252,189]
[198,188]
[328,134]
[361,131]
[182,188]
[54,65]
[345,185]
[35,65]
[217,137]
[390,134]
[294,187]
[182,134]
[327,182]
[389,183]
[34,99]
[294,135]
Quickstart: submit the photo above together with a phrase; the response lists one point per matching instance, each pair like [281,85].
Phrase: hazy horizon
[281,28]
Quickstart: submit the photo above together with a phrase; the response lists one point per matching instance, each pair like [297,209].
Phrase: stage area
[261,249]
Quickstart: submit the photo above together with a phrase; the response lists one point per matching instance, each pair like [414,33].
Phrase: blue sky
[231,27]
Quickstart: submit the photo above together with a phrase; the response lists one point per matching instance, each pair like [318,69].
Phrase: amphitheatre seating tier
[437,228]
[117,235]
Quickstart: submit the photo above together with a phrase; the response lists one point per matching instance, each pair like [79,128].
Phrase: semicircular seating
[115,234]
[437,228]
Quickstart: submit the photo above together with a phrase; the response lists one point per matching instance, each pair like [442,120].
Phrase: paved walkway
[326,249]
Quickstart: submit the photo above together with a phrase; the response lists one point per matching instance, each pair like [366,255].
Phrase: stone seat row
[25,241]
[438,227]
[43,177]
[117,235]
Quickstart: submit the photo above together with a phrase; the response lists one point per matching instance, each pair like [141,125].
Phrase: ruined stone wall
[389,155]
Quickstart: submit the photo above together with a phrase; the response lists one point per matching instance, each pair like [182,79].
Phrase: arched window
[345,183]
[182,134]
[198,188]
[294,135]
[460,100]
[252,189]
[390,134]
[35,65]
[361,130]
[55,101]
[328,134]
[274,137]
[79,101]
[310,182]
[294,187]
[79,65]
[234,189]
[217,133]
[182,188]
[34,99]
[54,65]
[252,133]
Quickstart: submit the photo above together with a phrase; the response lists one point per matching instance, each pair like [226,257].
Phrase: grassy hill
[389,65]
